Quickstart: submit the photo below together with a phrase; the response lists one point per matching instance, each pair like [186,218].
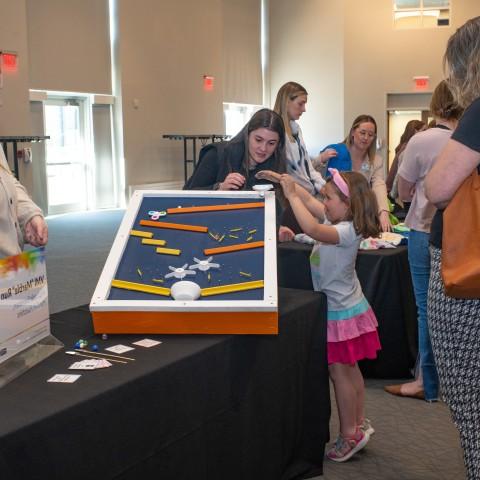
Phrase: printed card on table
[147,343]
[119,349]
[23,302]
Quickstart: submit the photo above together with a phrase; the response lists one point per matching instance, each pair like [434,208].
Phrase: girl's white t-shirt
[333,268]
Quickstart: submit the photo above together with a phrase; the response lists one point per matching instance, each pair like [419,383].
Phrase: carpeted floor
[77,248]
[414,440]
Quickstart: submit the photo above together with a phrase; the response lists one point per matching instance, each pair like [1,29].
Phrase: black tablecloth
[386,282]
[194,407]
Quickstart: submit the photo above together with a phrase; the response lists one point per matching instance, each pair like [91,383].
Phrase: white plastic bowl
[185,290]
[262,187]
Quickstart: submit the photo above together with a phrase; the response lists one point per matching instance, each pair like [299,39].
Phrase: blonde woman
[21,221]
[358,152]
[290,105]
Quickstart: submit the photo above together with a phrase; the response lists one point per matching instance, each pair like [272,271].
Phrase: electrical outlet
[27,155]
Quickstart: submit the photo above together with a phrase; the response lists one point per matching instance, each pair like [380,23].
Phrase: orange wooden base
[244,323]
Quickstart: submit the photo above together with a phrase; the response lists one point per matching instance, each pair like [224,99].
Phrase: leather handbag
[461,241]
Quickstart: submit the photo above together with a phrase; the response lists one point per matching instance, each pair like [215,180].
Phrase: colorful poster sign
[24,317]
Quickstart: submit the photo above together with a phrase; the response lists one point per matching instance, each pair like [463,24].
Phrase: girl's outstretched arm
[305,206]
[314,206]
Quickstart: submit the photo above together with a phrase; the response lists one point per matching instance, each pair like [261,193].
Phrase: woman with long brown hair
[411,128]
[260,145]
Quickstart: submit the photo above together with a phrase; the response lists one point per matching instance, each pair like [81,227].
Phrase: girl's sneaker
[367,427]
[345,448]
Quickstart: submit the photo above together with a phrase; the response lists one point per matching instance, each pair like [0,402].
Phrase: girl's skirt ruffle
[351,351]
[352,334]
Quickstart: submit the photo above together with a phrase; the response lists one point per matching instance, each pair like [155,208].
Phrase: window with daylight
[236,115]
[421,13]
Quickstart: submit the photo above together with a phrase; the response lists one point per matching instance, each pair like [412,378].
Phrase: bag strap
[476,178]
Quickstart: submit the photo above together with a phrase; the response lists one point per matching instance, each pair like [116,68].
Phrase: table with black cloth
[386,282]
[194,407]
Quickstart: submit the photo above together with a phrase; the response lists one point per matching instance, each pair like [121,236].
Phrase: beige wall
[306,46]
[381,60]
[14,108]
[241,45]
[69,45]
[165,49]
[347,56]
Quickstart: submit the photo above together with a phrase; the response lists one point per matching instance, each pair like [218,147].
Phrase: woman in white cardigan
[290,105]
[21,221]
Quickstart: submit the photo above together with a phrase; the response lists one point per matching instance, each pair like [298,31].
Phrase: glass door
[397,120]
[67,155]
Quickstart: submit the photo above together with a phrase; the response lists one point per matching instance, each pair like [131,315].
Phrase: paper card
[63,378]
[84,365]
[119,349]
[103,363]
[147,342]
[90,364]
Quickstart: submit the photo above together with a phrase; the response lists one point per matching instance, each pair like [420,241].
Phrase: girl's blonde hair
[288,92]
[372,150]
[362,203]
[461,62]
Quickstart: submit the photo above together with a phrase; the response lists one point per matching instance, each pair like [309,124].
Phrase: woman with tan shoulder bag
[455,322]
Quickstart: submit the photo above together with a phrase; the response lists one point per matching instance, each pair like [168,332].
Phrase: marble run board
[224,242]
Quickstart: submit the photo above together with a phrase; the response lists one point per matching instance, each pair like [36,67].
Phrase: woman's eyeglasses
[366,133]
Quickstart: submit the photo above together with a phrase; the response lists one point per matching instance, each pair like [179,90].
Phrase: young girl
[348,213]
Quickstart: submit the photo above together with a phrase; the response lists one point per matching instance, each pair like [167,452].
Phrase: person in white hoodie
[21,221]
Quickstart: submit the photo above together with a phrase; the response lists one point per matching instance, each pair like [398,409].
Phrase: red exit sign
[9,62]
[421,83]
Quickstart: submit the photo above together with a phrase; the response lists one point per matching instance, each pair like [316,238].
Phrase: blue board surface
[141,264]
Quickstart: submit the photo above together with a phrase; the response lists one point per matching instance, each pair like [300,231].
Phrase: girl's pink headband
[339,181]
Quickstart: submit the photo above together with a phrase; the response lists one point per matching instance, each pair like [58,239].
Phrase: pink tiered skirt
[352,334]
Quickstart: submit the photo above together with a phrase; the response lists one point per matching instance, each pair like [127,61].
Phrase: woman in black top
[455,323]
[260,145]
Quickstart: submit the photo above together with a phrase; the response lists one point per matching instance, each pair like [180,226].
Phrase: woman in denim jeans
[419,156]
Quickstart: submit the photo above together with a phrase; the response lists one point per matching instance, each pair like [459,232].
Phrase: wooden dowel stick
[215,208]
[233,248]
[100,353]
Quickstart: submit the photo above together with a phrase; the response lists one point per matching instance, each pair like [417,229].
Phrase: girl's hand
[233,181]
[384,218]
[285,234]
[288,185]
[36,231]
[269,175]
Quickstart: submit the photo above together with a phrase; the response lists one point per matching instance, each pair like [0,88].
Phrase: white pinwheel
[180,272]
[204,265]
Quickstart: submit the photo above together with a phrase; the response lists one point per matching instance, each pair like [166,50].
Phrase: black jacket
[217,160]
